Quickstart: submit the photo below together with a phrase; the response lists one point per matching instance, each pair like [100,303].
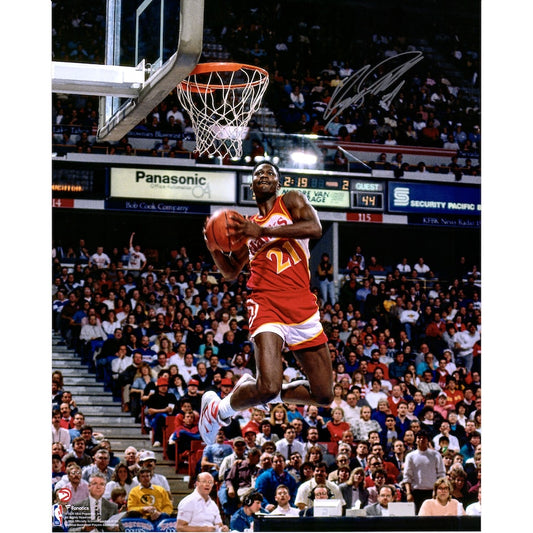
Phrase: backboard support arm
[129,82]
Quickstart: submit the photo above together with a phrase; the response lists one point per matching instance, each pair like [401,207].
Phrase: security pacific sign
[434,198]
[173,184]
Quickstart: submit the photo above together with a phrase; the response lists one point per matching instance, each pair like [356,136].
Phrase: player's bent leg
[267,385]
[269,366]
[316,363]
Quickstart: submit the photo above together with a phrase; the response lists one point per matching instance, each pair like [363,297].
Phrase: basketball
[217,231]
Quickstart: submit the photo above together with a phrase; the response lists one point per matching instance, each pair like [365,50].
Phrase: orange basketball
[218,234]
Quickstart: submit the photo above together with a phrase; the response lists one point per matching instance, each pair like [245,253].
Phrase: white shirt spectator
[197,512]
[137,259]
[177,114]
[100,259]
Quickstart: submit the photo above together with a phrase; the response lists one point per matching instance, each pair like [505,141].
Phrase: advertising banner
[173,184]
[434,198]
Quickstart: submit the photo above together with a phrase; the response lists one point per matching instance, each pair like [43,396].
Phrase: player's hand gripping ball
[219,234]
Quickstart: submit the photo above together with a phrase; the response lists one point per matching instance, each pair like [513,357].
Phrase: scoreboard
[327,192]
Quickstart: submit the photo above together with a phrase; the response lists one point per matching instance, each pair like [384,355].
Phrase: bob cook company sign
[173,184]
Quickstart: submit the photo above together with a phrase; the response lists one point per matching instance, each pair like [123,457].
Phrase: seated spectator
[389,434]
[148,501]
[337,425]
[118,365]
[288,444]
[159,405]
[315,455]
[185,432]
[451,143]
[461,486]
[78,454]
[243,518]
[148,460]
[84,144]
[365,424]
[92,337]
[474,509]
[121,478]
[342,461]
[95,510]
[303,498]
[473,440]
[198,510]
[119,497]
[214,454]
[375,394]
[283,498]
[442,503]
[59,434]
[430,134]
[354,491]
[279,420]
[386,494]
[268,481]
[143,376]
[238,482]
[79,488]
[255,420]
[163,145]
[265,433]
[57,470]
[319,492]
[100,466]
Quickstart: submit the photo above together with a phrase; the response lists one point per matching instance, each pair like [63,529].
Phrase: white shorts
[297,337]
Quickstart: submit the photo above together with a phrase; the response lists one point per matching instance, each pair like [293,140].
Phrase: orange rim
[206,68]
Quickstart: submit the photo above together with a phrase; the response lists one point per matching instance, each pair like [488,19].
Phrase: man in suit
[381,507]
[93,513]
[288,444]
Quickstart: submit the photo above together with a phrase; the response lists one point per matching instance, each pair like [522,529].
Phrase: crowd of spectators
[435,107]
[405,354]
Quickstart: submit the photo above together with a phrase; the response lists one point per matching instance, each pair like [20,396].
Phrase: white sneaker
[245,378]
[156,444]
[296,383]
[209,422]
[242,380]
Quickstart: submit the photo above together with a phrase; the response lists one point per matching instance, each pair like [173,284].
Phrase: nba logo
[57,519]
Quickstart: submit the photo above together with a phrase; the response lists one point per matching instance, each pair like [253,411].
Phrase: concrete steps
[105,415]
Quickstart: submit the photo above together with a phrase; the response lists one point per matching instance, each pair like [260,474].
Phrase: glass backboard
[162,38]
[151,46]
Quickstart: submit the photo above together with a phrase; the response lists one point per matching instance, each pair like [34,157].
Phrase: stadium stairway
[105,415]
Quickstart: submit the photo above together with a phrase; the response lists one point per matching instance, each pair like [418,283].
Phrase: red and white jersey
[278,264]
[281,300]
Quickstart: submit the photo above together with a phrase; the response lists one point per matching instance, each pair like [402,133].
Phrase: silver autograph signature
[364,82]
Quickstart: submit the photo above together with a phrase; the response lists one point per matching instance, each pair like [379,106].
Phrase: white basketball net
[220,103]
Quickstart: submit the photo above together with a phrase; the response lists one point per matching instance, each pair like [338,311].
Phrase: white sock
[225,410]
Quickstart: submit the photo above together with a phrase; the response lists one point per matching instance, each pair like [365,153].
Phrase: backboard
[151,45]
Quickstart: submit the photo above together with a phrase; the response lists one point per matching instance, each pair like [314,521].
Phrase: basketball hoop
[220,99]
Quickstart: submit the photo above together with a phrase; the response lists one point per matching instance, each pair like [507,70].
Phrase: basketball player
[281,308]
